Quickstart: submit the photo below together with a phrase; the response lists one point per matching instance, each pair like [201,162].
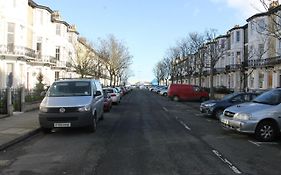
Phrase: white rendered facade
[252,59]
[34,39]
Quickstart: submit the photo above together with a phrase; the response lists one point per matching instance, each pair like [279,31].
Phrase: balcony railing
[12,49]
[268,62]
[61,64]
[219,70]
[45,59]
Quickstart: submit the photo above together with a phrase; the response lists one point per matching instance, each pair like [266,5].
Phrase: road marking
[255,143]
[186,127]
[198,115]
[227,162]
[267,143]
[165,109]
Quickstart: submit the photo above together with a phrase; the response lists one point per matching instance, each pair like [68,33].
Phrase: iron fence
[32,96]
[16,98]
[3,101]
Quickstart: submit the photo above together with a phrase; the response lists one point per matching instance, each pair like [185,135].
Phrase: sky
[150,27]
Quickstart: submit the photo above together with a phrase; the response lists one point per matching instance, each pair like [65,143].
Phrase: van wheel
[266,131]
[93,125]
[176,98]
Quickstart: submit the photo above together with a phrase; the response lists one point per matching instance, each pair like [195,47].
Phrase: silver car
[261,117]
[72,103]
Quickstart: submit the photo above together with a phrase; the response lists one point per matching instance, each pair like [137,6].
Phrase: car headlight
[43,109]
[210,104]
[84,108]
[242,116]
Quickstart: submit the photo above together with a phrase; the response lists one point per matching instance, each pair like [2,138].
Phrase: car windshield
[272,97]
[229,96]
[75,88]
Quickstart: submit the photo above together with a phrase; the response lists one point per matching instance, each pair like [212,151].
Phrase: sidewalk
[18,127]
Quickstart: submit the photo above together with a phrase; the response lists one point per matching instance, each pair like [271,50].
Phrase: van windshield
[63,89]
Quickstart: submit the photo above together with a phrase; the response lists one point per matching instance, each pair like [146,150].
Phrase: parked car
[261,117]
[72,103]
[187,92]
[160,89]
[164,91]
[119,90]
[107,104]
[216,107]
[114,94]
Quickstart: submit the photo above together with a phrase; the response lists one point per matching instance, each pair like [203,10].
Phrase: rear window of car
[109,90]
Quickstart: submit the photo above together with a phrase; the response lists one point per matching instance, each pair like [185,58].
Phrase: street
[145,134]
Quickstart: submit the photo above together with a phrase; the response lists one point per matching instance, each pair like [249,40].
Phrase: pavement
[18,127]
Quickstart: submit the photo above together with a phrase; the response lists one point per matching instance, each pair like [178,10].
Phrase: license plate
[62,125]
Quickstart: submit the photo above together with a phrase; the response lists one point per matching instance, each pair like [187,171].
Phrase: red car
[107,104]
[187,92]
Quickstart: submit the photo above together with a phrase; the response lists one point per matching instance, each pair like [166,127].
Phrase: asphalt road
[146,134]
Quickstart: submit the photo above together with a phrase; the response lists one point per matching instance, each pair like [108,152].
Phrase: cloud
[246,8]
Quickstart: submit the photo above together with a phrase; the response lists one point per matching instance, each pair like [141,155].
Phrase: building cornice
[223,36]
[35,5]
[236,28]
[269,12]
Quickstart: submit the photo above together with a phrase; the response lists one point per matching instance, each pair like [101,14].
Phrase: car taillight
[113,95]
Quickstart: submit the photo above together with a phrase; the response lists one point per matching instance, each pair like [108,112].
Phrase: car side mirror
[98,93]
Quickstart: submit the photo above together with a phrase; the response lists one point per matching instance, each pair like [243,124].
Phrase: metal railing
[3,101]
[46,59]
[17,50]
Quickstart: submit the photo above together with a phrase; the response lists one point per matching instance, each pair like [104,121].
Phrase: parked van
[187,92]
[72,103]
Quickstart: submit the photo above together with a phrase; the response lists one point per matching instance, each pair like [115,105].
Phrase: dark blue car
[216,107]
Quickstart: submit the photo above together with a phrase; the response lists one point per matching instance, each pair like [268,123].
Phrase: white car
[164,92]
[115,95]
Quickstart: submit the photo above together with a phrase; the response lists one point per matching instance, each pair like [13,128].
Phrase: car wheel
[266,131]
[176,98]
[218,113]
[165,94]
[46,130]
[93,125]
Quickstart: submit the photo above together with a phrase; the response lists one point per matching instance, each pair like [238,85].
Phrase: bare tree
[254,58]
[116,57]
[85,62]
[197,48]
[273,27]
[167,66]
[158,71]
[214,51]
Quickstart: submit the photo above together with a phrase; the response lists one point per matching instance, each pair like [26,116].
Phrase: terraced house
[34,39]
[246,57]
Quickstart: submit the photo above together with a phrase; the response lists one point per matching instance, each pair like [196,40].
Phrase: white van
[72,103]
